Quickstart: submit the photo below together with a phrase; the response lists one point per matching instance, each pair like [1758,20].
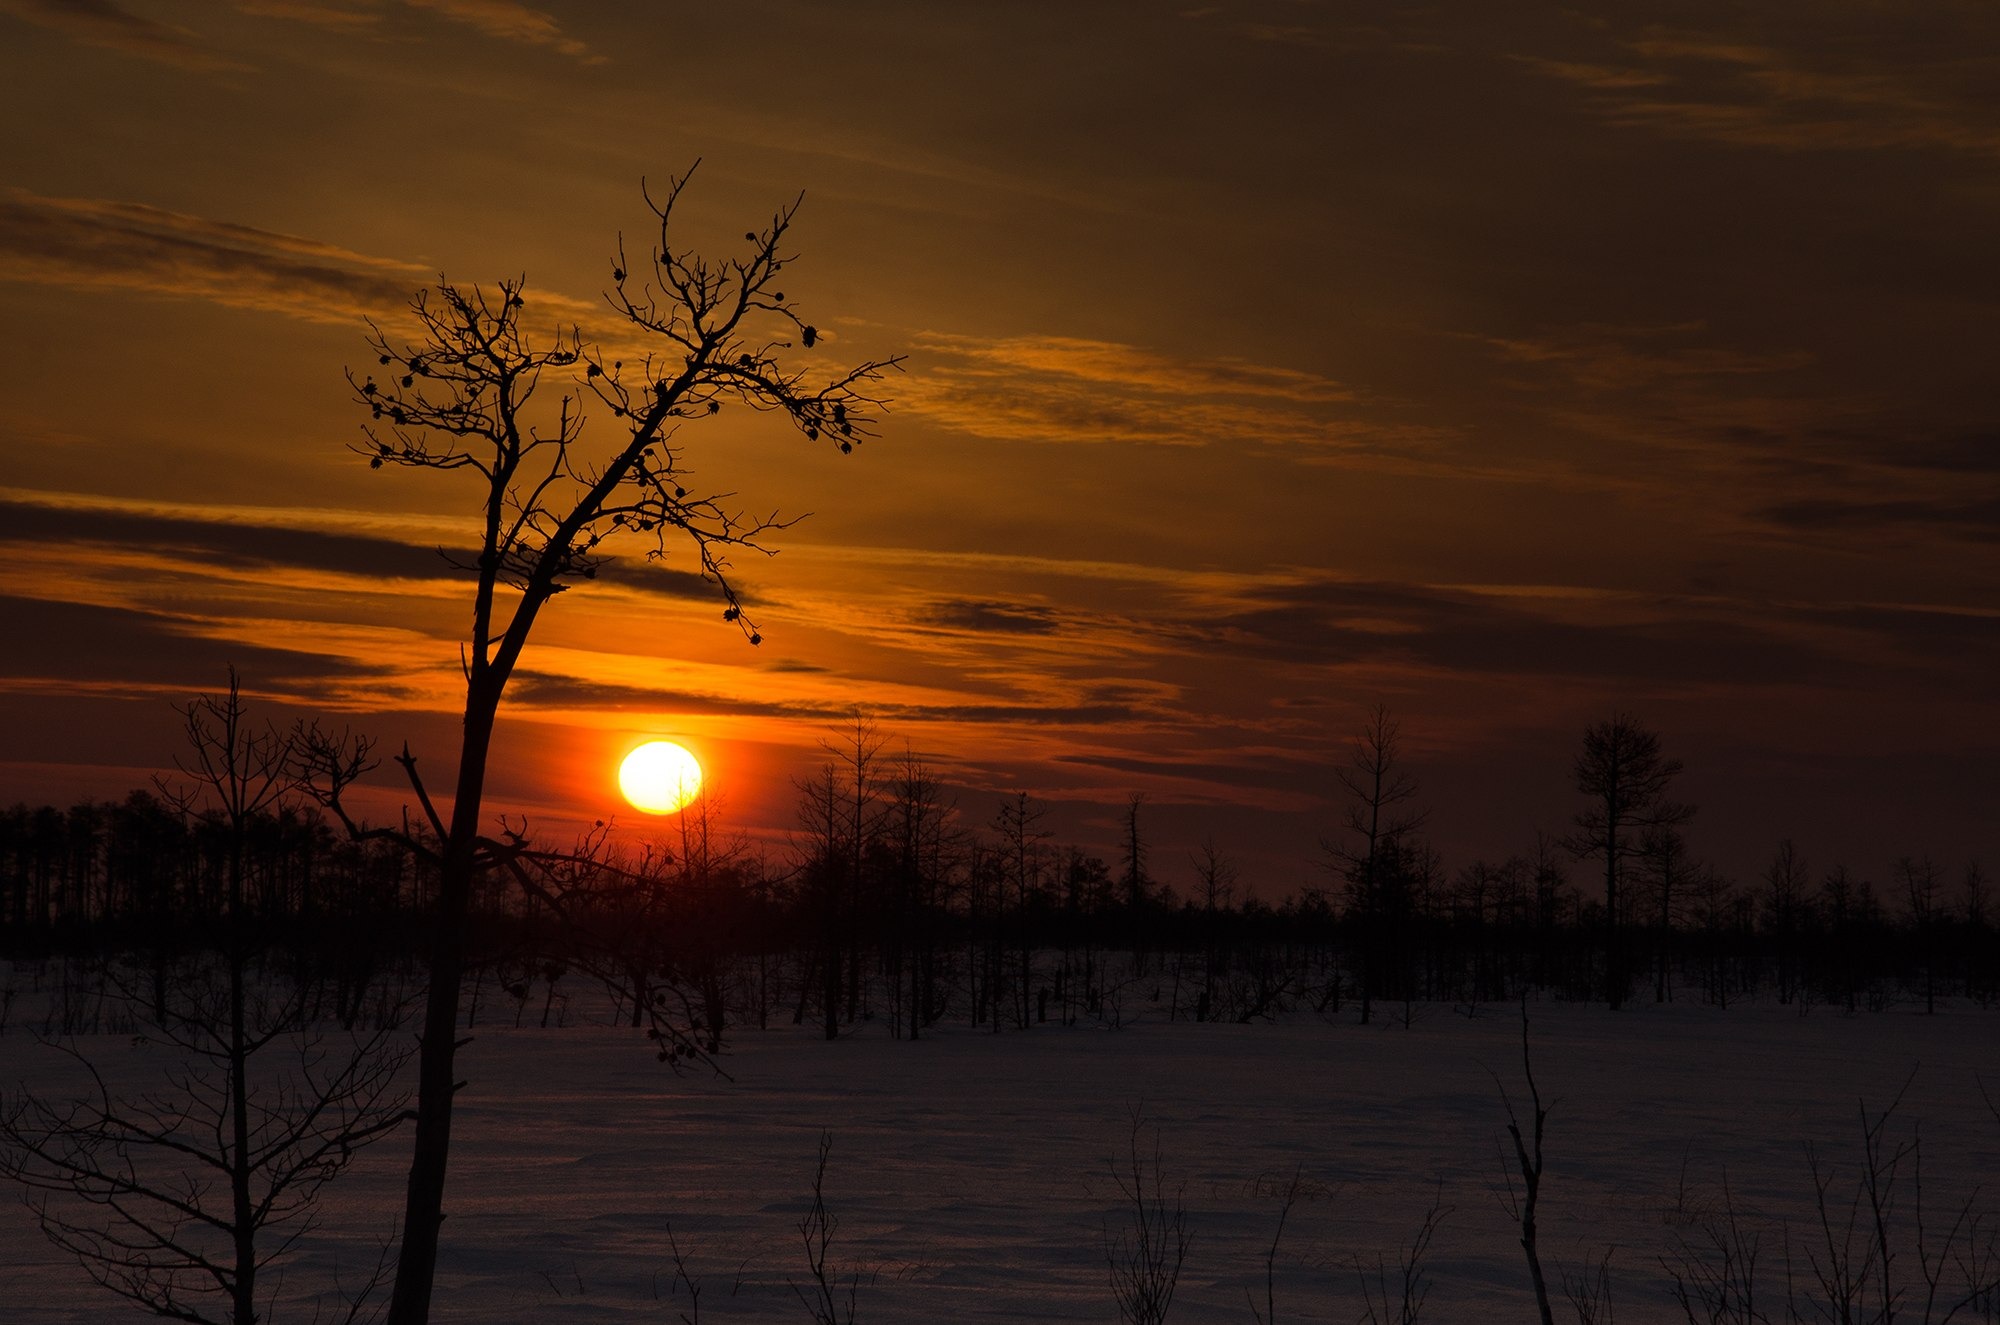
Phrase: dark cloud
[1800,87]
[651,576]
[1333,622]
[1967,451]
[103,24]
[227,543]
[80,642]
[223,543]
[93,242]
[989,616]
[1975,518]
[556,691]
[1268,772]
[510,20]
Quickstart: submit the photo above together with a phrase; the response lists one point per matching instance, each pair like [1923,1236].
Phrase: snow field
[970,1173]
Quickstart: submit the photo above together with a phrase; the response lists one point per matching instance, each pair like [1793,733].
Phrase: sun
[659,777]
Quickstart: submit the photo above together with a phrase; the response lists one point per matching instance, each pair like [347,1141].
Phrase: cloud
[1621,359]
[1926,518]
[104,24]
[986,617]
[84,242]
[333,17]
[240,543]
[222,542]
[1108,363]
[1622,638]
[503,20]
[1717,89]
[1956,453]
[83,643]
[552,690]
[508,21]
[1067,389]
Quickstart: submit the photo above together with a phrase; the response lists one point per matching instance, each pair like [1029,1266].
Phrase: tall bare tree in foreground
[552,497]
[1625,776]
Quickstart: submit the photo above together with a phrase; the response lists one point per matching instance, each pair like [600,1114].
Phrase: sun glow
[659,777]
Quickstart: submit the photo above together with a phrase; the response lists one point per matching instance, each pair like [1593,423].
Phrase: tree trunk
[423,1210]
[243,1218]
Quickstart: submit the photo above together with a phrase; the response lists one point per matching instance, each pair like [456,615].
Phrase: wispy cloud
[549,690]
[1070,389]
[106,25]
[91,242]
[1623,359]
[226,541]
[97,243]
[1712,88]
[84,642]
[509,21]
[1107,363]
[1897,519]
[353,17]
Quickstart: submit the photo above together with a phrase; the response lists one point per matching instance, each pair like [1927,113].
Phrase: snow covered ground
[969,1173]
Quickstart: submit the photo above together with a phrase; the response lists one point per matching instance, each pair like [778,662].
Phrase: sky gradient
[1504,365]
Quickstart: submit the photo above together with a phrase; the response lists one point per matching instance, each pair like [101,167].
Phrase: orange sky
[1266,361]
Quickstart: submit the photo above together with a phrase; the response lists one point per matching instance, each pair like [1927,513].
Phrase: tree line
[892,905]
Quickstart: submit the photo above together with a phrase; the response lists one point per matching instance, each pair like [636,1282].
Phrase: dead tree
[831,1295]
[1377,817]
[183,1195]
[1528,1159]
[1145,1256]
[554,501]
[1625,778]
[1399,1299]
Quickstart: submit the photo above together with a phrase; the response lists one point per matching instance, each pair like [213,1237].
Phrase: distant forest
[889,907]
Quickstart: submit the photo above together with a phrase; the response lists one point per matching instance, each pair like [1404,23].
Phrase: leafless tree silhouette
[554,497]
[1528,1160]
[1378,817]
[1146,1254]
[179,1196]
[1625,776]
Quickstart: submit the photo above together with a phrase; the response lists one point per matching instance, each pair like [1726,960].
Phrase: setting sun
[659,777]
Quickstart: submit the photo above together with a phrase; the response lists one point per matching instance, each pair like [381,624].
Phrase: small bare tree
[179,1198]
[1528,1159]
[1288,1196]
[1398,1298]
[1377,818]
[827,1298]
[1146,1254]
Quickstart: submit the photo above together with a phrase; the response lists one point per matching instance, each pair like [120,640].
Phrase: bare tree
[830,1297]
[1923,885]
[1528,1159]
[1785,902]
[1399,1299]
[1023,857]
[1146,1254]
[1288,1196]
[1623,772]
[1215,881]
[922,824]
[1134,881]
[1377,818]
[553,502]
[177,1196]
[1666,856]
